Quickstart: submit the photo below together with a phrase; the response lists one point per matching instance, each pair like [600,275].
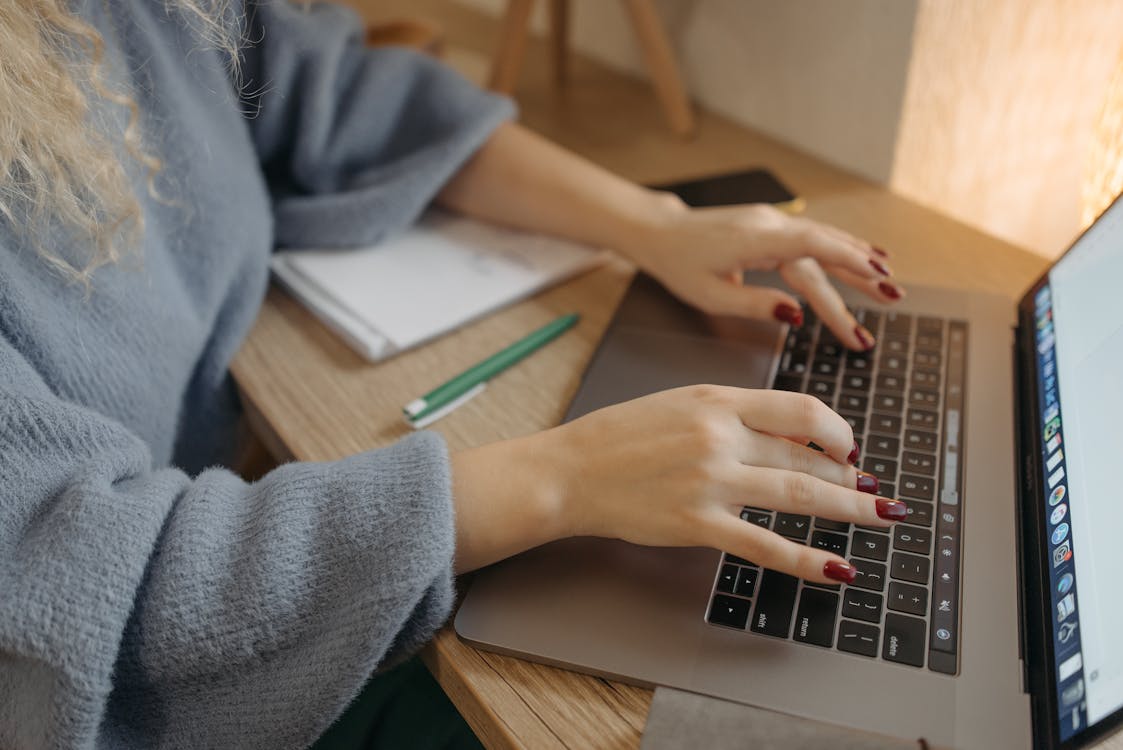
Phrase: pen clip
[436,414]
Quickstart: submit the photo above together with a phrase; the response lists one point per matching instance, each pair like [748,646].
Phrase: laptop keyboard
[904,400]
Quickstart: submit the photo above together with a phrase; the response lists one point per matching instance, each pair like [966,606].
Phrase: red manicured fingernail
[879,267]
[853,457]
[889,290]
[784,313]
[840,571]
[868,483]
[877,250]
[891,510]
[864,336]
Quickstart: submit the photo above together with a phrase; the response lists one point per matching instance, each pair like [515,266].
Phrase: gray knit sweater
[148,598]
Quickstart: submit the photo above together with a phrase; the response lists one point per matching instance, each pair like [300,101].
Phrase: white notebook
[440,274]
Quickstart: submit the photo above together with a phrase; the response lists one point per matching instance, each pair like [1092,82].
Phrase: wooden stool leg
[660,60]
[512,44]
[559,39]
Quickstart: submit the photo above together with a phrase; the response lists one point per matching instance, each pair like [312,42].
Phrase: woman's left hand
[700,254]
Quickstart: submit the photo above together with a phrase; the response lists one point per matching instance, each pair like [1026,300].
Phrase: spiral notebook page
[438,275]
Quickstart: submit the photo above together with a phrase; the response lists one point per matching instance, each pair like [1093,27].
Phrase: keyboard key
[918,512]
[857,424]
[904,640]
[922,418]
[856,382]
[883,445]
[897,363]
[792,526]
[774,604]
[729,611]
[897,322]
[820,387]
[727,579]
[792,383]
[886,424]
[930,342]
[824,368]
[870,546]
[755,516]
[858,638]
[894,345]
[814,620]
[919,463]
[918,440]
[912,539]
[829,350]
[830,525]
[870,319]
[890,383]
[888,403]
[912,600]
[871,575]
[921,488]
[925,378]
[835,543]
[852,402]
[735,560]
[926,359]
[885,469]
[910,568]
[924,397]
[861,605]
[858,362]
[929,325]
[746,582]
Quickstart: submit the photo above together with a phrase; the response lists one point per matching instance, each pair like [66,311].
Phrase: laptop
[990,618]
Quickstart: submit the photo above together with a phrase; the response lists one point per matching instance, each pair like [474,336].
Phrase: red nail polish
[891,510]
[864,337]
[889,290]
[840,571]
[784,313]
[868,483]
[879,267]
[853,457]
[878,251]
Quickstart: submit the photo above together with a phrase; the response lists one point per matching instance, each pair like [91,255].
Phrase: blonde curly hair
[61,166]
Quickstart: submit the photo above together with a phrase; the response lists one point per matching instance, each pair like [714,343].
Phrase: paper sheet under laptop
[438,275]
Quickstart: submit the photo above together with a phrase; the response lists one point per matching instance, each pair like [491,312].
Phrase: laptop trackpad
[634,362]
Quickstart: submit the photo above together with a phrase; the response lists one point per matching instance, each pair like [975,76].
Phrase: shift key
[774,604]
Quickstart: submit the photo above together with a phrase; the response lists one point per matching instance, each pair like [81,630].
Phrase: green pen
[447,396]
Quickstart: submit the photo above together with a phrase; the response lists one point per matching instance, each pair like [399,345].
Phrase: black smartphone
[751,186]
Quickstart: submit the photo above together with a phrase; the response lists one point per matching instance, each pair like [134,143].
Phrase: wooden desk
[311,398]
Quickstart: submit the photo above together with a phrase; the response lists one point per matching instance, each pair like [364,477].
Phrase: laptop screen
[1079,337]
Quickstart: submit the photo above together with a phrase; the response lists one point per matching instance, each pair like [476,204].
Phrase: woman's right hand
[675,469]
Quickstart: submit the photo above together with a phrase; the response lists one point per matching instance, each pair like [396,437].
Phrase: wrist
[508,497]
[649,214]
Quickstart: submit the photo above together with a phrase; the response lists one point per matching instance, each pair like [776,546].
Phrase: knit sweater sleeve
[355,141]
[140,607]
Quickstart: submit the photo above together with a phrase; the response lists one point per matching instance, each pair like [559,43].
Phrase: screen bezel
[1037,618]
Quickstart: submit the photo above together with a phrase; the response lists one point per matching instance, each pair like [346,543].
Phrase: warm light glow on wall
[1105,163]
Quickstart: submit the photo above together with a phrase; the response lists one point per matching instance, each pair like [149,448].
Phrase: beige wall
[1000,108]
[981,108]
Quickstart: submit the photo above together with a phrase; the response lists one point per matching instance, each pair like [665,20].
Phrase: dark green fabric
[402,708]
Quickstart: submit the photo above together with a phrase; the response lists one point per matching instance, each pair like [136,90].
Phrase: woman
[153,155]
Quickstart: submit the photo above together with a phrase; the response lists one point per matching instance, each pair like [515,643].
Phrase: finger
[796,416]
[804,237]
[779,453]
[807,277]
[807,495]
[881,290]
[767,549]
[724,297]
